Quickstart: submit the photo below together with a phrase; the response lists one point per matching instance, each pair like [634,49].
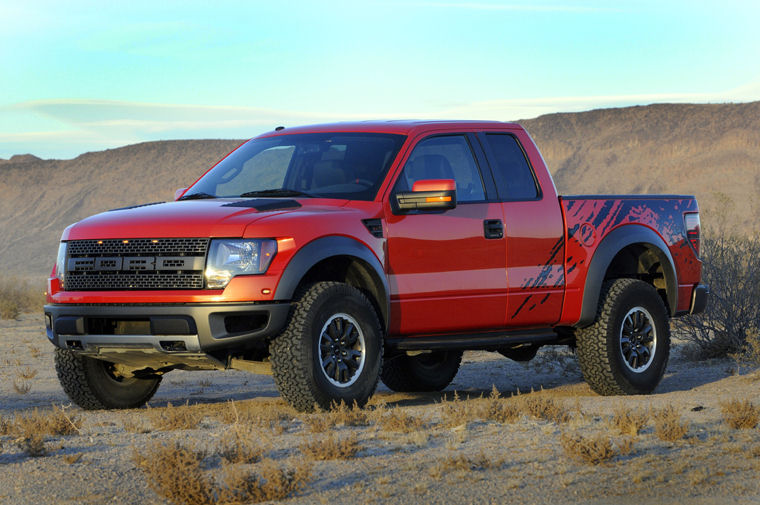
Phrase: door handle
[493,228]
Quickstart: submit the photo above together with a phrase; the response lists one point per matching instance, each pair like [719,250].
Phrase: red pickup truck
[334,256]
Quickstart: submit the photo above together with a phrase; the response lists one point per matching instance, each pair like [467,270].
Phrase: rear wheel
[626,350]
[94,384]
[431,371]
[331,350]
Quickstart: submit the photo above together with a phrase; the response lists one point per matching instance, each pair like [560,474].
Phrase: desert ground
[514,433]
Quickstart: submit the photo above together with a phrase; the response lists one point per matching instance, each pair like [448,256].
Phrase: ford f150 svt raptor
[337,255]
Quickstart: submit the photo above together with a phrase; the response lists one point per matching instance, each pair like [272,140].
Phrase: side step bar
[474,341]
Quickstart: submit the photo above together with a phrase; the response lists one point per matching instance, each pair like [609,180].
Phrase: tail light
[691,224]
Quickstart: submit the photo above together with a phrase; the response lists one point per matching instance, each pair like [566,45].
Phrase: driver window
[266,170]
[448,157]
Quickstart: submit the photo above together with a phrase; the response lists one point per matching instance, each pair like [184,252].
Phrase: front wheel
[626,350]
[331,350]
[94,384]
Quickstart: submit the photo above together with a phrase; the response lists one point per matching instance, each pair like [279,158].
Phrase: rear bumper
[699,299]
[194,328]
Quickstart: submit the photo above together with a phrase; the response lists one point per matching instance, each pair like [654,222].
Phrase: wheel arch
[630,251]
[338,258]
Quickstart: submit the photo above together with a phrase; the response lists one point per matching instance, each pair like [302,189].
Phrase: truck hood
[223,217]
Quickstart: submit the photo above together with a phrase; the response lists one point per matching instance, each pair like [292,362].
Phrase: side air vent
[374,226]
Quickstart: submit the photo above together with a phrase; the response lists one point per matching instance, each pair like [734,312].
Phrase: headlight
[60,263]
[230,257]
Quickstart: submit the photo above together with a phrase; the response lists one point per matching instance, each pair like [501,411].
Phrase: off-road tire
[295,354]
[423,372]
[599,345]
[89,383]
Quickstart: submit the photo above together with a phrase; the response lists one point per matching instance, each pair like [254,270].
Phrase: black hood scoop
[264,204]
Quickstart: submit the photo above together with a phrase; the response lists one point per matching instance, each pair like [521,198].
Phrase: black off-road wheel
[431,371]
[94,384]
[625,351]
[331,349]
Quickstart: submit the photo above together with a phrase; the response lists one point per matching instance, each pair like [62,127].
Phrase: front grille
[124,264]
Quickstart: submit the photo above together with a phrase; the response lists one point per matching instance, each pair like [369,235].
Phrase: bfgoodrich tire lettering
[91,383]
[630,313]
[329,320]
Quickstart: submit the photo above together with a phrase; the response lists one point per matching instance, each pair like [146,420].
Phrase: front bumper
[176,328]
[699,299]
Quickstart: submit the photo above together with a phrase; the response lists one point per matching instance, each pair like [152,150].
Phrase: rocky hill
[712,151]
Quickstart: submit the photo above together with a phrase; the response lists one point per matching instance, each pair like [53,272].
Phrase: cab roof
[401,127]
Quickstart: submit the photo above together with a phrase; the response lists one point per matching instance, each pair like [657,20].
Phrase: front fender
[327,247]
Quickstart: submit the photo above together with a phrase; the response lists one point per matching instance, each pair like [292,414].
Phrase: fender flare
[327,247]
[608,248]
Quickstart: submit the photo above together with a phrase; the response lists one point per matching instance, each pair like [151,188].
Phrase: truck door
[446,268]
[534,230]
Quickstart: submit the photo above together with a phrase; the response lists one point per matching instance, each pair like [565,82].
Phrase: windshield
[327,165]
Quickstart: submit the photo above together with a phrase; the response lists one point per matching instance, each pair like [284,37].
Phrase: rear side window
[514,178]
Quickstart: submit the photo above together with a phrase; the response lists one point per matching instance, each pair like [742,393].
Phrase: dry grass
[339,414]
[628,421]
[22,386]
[740,414]
[33,445]
[175,472]
[457,412]
[397,420]
[53,422]
[668,425]
[265,414]
[544,408]
[26,373]
[17,296]
[170,418]
[135,425]
[461,462]
[593,450]
[241,445]
[331,447]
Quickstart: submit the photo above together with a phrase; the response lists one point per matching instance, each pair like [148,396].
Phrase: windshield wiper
[277,192]
[197,196]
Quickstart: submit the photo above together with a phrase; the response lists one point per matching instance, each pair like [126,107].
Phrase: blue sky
[79,76]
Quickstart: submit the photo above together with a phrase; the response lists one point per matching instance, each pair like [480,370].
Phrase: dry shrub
[52,422]
[331,447]
[34,351]
[170,418]
[460,462]
[17,296]
[740,414]
[21,386]
[731,267]
[593,450]
[629,422]
[6,426]
[241,445]
[33,445]
[175,472]
[493,408]
[26,373]
[668,425]
[501,410]
[270,482]
[396,419]
[134,425]
[545,408]
[266,414]
[339,414]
